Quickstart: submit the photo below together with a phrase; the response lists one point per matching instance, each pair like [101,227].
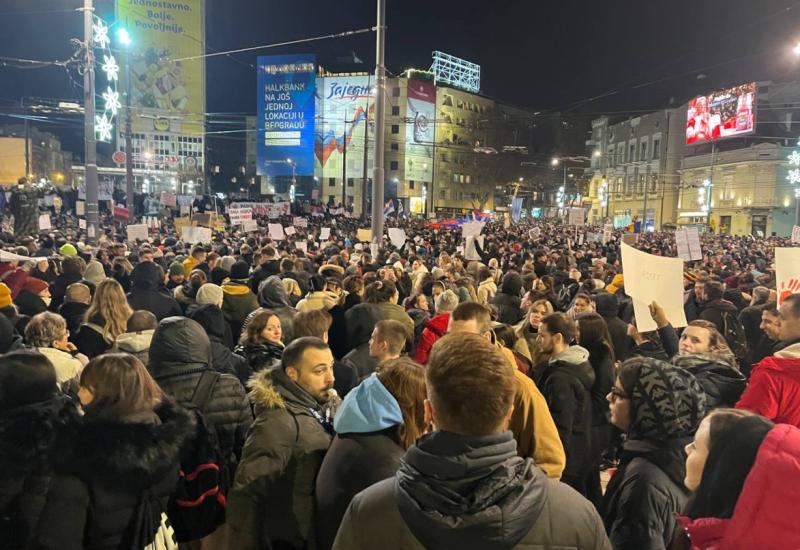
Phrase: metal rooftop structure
[457,72]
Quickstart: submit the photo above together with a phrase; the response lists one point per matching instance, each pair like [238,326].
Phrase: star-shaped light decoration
[103,127]
[794,158]
[101,37]
[794,176]
[111,98]
[110,67]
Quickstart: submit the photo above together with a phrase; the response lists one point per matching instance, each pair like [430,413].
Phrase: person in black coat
[607,305]
[179,353]
[223,360]
[32,415]
[72,272]
[146,293]
[116,470]
[360,321]
[76,303]
[507,300]
[34,298]
[375,425]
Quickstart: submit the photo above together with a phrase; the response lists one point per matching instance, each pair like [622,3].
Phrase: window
[455,177]
[632,152]
[643,151]
[611,158]
[394,147]
[656,148]
[396,91]
[393,165]
[468,179]
[350,182]
[395,110]
[411,184]
[395,128]
[331,182]
[442,193]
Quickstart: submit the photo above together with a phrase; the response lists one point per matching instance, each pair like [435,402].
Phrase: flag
[388,208]
[399,208]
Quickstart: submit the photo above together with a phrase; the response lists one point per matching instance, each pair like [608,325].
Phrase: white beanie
[209,293]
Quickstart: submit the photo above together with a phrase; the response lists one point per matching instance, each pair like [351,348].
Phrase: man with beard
[271,504]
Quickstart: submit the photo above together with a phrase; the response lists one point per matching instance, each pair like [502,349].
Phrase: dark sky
[536,54]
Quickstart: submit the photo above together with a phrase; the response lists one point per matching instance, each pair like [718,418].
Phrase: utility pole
[380,107]
[128,138]
[344,161]
[90,160]
[27,144]
[366,155]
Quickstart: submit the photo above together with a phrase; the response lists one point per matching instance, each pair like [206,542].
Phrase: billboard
[285,115]
[721,114]
[167,90]
[420,128]
[343,104]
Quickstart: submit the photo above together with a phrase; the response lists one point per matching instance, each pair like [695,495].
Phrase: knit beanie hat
[176,269]
[34,285]
[667,402]
[446,301]
[5,295]
[68,250]
[240,271]
[209,293]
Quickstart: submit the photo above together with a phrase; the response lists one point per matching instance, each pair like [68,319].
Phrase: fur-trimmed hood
[131,455]
[272,389]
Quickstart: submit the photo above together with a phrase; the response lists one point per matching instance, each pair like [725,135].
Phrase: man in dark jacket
[223,360]
[271,504]
[72,272]
[607,306]
[566,384]
[360,321]
[718,310]
[445,494]
[238,300]
[76,302]
[179,353]
[270,265]
[146,293]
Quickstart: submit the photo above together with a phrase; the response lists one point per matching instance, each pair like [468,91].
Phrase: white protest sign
[11,257]
[299,222]
[81,223]
[682,245]
[608,231]
[324,233]
[239,213]
[276,231]
[470,253]
[196,234]
[693,239]
[397,236]
[472,229]
[80,208]
[649,279]
[796,234]
[289,230]
[301,245]
[186,209]
[248,226]
[575,216]
[44,222]
[787,272]
[137,232]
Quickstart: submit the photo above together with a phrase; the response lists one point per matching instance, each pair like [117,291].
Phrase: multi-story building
[45,159]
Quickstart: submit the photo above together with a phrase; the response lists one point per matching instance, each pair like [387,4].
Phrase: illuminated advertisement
[342,106]
[721,114]
[285,115]
[166,66]
[420,115]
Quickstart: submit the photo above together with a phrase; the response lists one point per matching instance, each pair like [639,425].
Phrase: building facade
[45,159]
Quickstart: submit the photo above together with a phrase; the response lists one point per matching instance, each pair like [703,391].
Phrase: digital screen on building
[285,112]
[721,114]
[420,114]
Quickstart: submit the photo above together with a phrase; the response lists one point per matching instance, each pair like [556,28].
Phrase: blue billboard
[285,127]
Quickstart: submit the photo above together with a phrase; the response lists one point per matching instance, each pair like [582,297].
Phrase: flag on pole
[388,207]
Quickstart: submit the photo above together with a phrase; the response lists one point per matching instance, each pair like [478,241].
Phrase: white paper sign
[575,216]
[796,234]
[276,231]
[44,222]
[397,236]
[80,208]
[299,222]
[11,257]
[470,253]
[248,226]
[472,229]
[138,231]
[693,238]
[196,234]
[289,230]
[186,209]
[239,214]
[324,233]
[81,223]
[787,272]
[301,245]
[650,278]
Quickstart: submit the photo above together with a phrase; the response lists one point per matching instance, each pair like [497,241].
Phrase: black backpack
[733,332]
[198,505]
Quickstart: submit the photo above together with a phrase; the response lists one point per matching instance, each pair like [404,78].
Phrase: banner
[575,216]
[787,272]
[516,209]
[420,128]
[238,214]
[285,115]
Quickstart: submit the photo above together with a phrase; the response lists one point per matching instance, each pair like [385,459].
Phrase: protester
[47,332]
[138,336]
[146,294]
[106,318]
[437,326]
[260,343]
[223,360]
[528,332]
[317,323]
[507,300]
[272,296]
[238,301]
[76,302]
[388,340]
[33,298]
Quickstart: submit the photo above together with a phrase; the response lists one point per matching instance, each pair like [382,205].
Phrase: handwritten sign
[276,231]
[472,229]
[365,235]
[575,216]
[297,221]
[787,272]
[290,230]
[196,234]
[137,232]
[324,233]
[397,236]
[239,214]
[44,222]
[248,226]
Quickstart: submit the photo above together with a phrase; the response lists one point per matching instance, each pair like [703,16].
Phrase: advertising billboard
[167,90]
[721,114]
[285,115]
[343,104]
[420,128]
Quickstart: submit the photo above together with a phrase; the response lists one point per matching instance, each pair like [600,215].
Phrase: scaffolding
[457,72]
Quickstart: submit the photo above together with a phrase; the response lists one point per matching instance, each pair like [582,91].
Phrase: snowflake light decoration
[104,122]
[794,177]
[110,67]
[101,37]
[111,98]
[794,158]
[103,126]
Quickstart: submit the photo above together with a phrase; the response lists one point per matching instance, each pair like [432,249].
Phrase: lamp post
[380,108]
[125,40]
[90,142]
[293,187]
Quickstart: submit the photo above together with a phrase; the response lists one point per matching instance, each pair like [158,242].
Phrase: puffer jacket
[360,321]
[260,356]
[135,343]
[508,308]
[146,292]
[223,360]
[271,503]
[720,379]
[179,353]
[434,329]
[486,291]
[470,493]
[272,296]
[774,387]
[104,469]
[319,299]
[237,303]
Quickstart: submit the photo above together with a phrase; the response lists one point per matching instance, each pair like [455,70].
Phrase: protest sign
[299,222]
[137,232]
[796,234]
[472,229]
[649,279]
[575,216]
[239,213]
[44,222]
[196,234]
[248,226]
[276,231]
[80,208]
[630,238]
[397,236]
[301,245]
[324,233]
[181,222]
[202,219]
[81,223]
[787,272]
[168,199]
[470,253]
[290,230]
[365,235]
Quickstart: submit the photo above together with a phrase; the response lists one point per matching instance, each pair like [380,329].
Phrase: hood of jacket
[135,342]
[791,351]
[718,369]
[211,318]
[723,305]
[607,305]
[145,276]
[231,288]
[360,321]
[272,389]
[272,294]
[134,455]
[464,492]
[369,407]
[94,272]
[575,360]
[72,309]
[179,343]
[9,340]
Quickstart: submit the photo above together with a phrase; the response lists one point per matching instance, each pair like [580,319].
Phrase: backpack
[733,332]
[197,507]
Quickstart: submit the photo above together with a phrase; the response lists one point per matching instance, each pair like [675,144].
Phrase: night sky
[539,55]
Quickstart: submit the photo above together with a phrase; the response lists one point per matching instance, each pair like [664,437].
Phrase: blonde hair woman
[106,318]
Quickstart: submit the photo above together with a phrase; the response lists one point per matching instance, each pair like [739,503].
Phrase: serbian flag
[388,208]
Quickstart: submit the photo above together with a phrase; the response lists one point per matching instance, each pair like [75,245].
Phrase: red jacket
[13,277]
[774,388]
[435,329]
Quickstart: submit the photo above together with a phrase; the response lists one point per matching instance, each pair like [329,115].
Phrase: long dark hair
[734,440]
[594,336]
[379,292]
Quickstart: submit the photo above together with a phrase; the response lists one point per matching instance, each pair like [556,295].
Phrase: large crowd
[318,392]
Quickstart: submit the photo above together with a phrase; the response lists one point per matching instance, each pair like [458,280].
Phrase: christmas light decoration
[104,123]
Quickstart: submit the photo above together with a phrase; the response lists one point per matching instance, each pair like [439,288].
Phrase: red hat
[34,285]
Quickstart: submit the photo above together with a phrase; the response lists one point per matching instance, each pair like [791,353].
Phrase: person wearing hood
[272,296]
[76,304]
[116,470]
[320,296]
[566,383]
[179,354]
[186,293]
[95,272]
[704,352]
[238,300]
[507,301]
[659,407]
[437,327]
[138,336]
[360,321]
[463,485]
[375,425]
[34,297]
[746,503]
[72,271]
[607,305]
[271,503]
[33,415]
[260,343]
[223,360]
[146,293]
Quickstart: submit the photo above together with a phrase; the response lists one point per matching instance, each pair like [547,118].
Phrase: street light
[292,188]
[796,49]
[554,162]
[124,38]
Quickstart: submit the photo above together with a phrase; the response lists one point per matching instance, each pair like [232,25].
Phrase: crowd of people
[310,392]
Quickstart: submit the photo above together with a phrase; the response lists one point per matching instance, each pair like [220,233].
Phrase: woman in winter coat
[383,296]
[658,406]
[375,424]
[33,298]
[487,287]
[437,326]
[117,469]
[260,343]
[507,301]
[528,333]
[106,318]
[749,502]
[33,413]
[272,296]
[147,280]
[417,308]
